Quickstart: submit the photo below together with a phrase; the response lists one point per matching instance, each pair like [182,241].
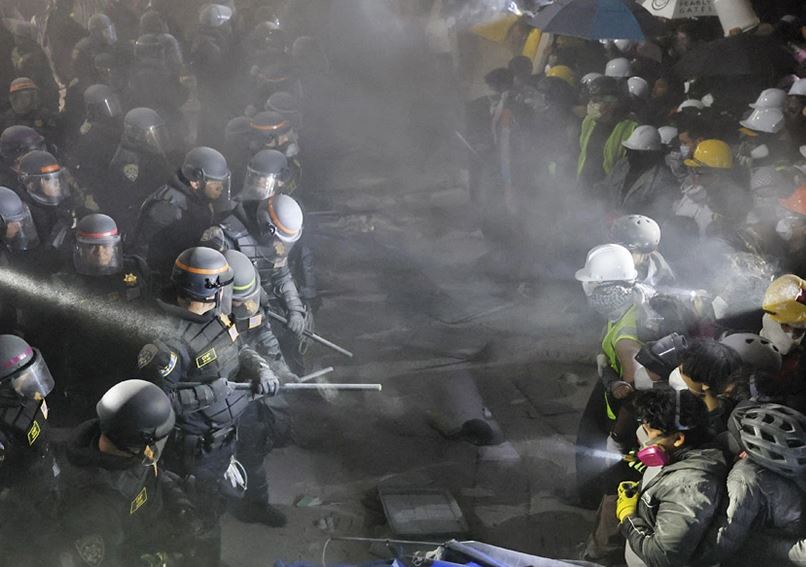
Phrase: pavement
[429,306]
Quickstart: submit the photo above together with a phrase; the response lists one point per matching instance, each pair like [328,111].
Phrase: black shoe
[259,513]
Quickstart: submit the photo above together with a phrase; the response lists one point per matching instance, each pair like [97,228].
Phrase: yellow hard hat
[785,300]
[715,154]
[563,72]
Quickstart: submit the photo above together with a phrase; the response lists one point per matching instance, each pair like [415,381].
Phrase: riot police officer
[15,142]
[118,508]
[271,130]
[173,218]
[103,38]
[266,173]
[266,423]
[28,472]
[46,188]
[100,273]
[27,110]
[30,60]
[194,365]
[140,163]
[95,139]
[20,243]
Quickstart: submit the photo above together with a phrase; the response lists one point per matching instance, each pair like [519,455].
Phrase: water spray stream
[124,317]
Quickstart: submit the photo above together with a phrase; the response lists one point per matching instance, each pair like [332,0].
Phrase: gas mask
[610,300]
[760,152]
[785,341]
[676,380]
[653,455]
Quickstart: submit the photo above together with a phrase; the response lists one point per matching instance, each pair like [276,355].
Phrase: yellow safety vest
[613,150]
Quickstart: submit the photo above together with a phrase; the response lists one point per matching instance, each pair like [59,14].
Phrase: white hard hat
[619,67]
[755,351]
[636,232]
[638,87]
[770,98]
[624,45]
[608,263]
[590,77]
[691,103]
[768,120]
[798,88]
[644,138]
[668,135]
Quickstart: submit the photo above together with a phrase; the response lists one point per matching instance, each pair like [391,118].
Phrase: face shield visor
[109,35]
[33,381]
[20,231]
[107,108]
[98,254]
[24,101]
[217,189]
[258,186]
[155,139]
[49,188]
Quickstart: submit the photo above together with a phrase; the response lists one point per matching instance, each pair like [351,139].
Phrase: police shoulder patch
[131,171]
[147,354]
[139,500]
[34,432]
[91,549]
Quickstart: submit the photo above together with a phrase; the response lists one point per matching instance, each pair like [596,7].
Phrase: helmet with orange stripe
[44,178]
[271,130]
[203,275]
[280,217]
[97,249]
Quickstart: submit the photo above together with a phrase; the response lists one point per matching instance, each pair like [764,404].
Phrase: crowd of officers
[693,442]
[140,373]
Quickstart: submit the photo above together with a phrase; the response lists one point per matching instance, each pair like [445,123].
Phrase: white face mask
[771,329]
[760,152]
[642,435]
[685,152]
[676,380]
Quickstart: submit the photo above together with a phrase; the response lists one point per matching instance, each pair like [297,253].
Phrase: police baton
[313,336]
[325,386]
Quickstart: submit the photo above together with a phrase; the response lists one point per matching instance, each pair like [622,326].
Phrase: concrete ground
[410,285]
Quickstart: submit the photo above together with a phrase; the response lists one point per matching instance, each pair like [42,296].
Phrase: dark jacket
[651,193]
[676,507]
[757,499]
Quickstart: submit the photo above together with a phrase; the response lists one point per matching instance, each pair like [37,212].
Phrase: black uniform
[90,154]
[84,375]
[114,510]
[194,366]
[29,473]
[272,263]
[170,220]
[132,175]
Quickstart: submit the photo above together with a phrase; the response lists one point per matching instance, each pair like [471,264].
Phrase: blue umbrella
[595,19]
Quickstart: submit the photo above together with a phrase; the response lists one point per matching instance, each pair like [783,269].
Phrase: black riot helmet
[101,102]
[16,141]
[203,274]
[97,249]
[23,95]
[271,130]
[23,369]
[267,37]
[267,170]
[145,130]
[152,22]
[280,217]
[137,417]
[44,178]
[209,168]
[17,228]
[246,288]
[102,29]
[285,104]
